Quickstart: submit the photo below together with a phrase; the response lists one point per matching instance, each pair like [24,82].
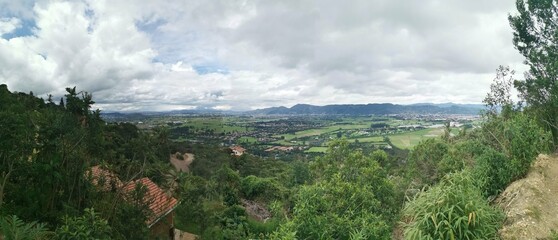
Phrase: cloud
[8,25]
[249,54]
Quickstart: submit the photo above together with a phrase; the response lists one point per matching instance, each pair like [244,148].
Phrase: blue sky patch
[210,68]
[26,29]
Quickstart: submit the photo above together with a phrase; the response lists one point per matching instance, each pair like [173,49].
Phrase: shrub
[453,209]
[519,138]
[351,197]
[88,226]
[511,145]
[11,227]
[461,155]
[526,140]
[424,161]
[492,172]
[254,187]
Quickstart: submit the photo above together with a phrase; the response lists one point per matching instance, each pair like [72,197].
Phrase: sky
[153,55]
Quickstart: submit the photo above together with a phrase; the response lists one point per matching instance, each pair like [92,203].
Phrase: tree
[536,37]
[351,197]
[499,97]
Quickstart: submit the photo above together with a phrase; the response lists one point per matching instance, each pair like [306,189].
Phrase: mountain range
[372,109]
[337,109]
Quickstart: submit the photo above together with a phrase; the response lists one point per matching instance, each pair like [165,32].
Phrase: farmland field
[316,150]
[310,134]
[409,139]
[320,131]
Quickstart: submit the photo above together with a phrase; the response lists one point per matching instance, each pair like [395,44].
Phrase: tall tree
[536,37]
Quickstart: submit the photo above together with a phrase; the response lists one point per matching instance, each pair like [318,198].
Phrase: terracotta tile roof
[159,202]
[238,150]
[103,178]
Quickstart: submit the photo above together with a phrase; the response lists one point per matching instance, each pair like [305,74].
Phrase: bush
[461,154]
[519,138]
[492,172]
[254,187]
[424,161]
[453,209]
[352,196]
[510,146]
[11,227]
[89,226]
[526,140]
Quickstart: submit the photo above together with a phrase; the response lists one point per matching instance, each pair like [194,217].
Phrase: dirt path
[531,204]
[179,235]
[181,165]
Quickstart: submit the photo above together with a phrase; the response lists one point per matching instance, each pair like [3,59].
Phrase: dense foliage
[351,195]
[47,149]
[535,30]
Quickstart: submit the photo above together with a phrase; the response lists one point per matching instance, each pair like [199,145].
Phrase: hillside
[530,204]
[372,109]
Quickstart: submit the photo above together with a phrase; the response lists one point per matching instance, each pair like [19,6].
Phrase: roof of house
[159,202]
[103,178]
[238,148]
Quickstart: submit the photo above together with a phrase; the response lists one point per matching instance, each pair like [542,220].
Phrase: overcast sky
[241,55]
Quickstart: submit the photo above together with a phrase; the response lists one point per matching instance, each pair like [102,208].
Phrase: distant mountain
[446,105]
[373,109]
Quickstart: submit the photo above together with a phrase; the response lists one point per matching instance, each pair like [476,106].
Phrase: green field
[246,140]
[410,139]
[323,130]
[316,150]
[368,139]
[218,124]
[353,129]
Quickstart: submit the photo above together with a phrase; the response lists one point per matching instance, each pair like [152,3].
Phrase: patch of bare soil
[531,204]
[179,235]
[256,210]
[181,161]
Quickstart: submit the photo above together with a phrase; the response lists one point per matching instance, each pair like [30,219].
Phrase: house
[161,220]
[162,206]
[237,150]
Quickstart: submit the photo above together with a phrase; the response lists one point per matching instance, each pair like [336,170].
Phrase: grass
[323,130]
[376,139]
[216,124]
[316,150]
[452,209]
[410,139]
[247,139]
[286,143]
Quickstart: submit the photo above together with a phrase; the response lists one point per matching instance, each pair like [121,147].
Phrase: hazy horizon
[245,55]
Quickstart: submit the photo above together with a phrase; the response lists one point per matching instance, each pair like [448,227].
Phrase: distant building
[237,150]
